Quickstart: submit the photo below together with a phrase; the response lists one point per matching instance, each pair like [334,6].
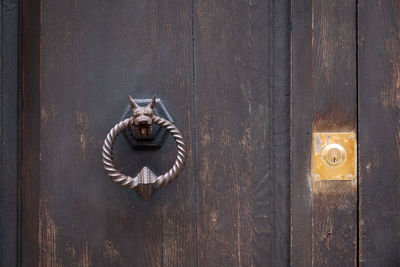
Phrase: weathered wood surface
[379,165]
[242,97]
[324,98]
[93,55]
[222,71]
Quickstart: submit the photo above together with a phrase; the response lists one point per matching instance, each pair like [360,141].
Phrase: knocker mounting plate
[158,134]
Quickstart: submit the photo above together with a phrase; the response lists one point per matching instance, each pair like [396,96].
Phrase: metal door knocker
[143,119]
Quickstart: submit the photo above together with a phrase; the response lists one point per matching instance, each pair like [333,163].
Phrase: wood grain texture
[92,56]
[175,82]
[281,132]
[379,110]
[222,71]
[9,130]
[241,124]
[324,98]
[301,125]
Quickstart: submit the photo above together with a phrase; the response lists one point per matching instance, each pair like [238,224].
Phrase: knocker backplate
[158,135]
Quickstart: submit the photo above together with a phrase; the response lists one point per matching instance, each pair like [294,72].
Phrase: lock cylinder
[334,155]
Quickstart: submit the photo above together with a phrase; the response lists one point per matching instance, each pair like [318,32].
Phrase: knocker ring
[145,181]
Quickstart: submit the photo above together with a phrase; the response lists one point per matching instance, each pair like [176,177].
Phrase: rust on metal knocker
[143,119]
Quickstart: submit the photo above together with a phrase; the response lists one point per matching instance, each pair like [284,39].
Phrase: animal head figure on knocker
[143,117]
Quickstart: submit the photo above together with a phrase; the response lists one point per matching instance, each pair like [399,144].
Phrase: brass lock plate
[334,156]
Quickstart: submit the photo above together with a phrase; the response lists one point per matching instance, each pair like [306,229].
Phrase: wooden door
[247,83]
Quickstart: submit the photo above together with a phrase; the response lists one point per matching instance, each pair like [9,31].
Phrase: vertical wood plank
[175,85]
[379,111]
[334,109]
[324,98]
[9,130]
[281,132]
[92,55]
[28,251]
[301,125]
[240,121]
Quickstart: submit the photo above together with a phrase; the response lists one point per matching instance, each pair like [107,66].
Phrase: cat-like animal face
[143,117]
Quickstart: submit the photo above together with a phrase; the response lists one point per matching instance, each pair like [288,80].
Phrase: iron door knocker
[142,120]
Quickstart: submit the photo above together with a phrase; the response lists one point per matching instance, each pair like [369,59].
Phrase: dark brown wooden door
[247,83]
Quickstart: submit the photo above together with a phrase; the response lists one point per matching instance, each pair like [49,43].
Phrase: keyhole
[334,154]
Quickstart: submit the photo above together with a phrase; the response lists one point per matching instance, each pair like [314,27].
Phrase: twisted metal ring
[132,182]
